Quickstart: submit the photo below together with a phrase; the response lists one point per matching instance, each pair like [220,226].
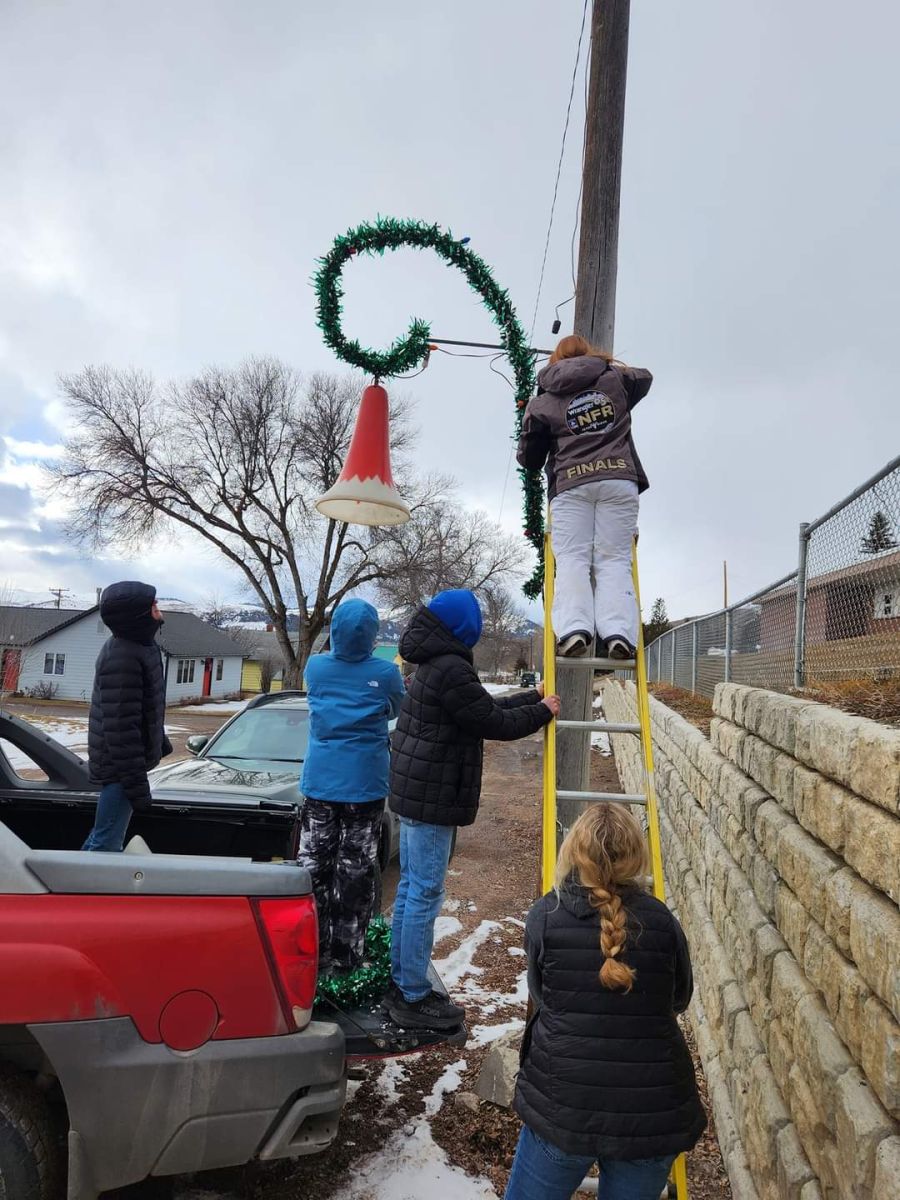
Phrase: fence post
[729,630]
[800,627]
[694,658]
[672,665]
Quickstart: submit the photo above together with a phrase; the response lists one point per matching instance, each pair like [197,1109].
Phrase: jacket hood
[460,612]
[571,375]
[427,637]
[125,610]
[354,630]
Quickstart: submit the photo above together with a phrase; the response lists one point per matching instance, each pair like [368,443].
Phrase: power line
[562,151]
[540,288]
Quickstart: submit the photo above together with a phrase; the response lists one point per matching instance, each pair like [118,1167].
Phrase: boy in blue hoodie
[352,697]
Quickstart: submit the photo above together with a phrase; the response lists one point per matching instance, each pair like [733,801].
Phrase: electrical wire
[562,151]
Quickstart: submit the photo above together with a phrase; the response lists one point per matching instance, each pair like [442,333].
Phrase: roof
[186,635]
[183,634]
[880,569]
[265,644]
[21,625]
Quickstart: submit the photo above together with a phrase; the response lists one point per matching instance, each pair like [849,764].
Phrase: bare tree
[501,640]
[238,458]
[15,648]
[215,611]
[445,547]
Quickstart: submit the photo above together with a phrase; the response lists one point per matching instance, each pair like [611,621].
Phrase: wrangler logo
[591,412]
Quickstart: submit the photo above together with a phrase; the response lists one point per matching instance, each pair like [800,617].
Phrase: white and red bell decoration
[365,493]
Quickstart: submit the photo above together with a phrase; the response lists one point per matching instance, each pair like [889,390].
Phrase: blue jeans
[111,820]
[541,1171]
[424,855]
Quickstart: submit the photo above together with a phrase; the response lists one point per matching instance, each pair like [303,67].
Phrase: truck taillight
[291,933]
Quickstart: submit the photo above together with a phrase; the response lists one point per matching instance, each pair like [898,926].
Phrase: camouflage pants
[339,848]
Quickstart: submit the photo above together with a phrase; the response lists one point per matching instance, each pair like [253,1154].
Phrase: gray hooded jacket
[579,424]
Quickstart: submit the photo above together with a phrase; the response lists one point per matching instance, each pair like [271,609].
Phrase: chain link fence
[833,623]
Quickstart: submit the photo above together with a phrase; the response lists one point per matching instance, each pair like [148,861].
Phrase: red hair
[575,346]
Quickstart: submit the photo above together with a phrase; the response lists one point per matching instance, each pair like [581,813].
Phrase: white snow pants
[592,526]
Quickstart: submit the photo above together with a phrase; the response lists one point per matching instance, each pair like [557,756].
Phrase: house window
[48,664]
[60,664]
[185,670]
[887,604]
[54,664]
[220,667]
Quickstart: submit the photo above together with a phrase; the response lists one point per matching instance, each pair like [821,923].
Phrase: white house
[55,650]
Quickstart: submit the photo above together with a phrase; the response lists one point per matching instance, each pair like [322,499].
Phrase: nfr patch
[591,412]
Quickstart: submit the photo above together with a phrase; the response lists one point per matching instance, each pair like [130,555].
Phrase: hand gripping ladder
[678,1180]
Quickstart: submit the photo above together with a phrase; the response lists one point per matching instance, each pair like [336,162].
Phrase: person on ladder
[579,425]
[606,1076]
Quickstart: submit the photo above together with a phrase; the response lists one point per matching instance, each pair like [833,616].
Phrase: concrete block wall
[780,838]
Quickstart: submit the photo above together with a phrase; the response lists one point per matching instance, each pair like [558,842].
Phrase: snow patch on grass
[393,1074]
[448,1081]
[457,965]
[483,1035]
[409,1167]
[445,927]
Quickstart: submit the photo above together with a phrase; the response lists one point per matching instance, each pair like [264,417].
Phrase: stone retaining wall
[781,840]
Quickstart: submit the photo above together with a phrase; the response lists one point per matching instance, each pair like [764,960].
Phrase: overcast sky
[171,172]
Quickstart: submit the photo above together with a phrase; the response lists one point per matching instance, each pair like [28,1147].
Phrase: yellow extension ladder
[678,1179]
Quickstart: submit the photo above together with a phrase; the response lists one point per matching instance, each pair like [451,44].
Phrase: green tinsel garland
[368,982]
[388,233]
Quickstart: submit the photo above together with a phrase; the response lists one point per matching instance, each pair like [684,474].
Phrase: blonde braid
[605,849]
[613,930]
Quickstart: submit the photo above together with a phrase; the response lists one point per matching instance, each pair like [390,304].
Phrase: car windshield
[272,733]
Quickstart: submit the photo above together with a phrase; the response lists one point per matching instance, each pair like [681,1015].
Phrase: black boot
[432,1012]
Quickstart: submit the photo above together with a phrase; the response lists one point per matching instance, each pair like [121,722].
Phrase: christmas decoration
[364,493]
[368,982]
[411,351]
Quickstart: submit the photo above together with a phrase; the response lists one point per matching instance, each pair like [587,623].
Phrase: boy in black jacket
[436,784]
[126,736]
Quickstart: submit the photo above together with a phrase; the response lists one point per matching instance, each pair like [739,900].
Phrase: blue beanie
[460,612]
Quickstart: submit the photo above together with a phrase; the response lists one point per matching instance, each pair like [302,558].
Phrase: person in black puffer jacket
[126,734]
[436,784]
[605,1074]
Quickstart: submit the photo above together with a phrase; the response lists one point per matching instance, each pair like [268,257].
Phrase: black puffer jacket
[607,1073]
[446,715]
[126,737]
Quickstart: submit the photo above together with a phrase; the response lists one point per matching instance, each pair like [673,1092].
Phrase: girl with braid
[605,1075]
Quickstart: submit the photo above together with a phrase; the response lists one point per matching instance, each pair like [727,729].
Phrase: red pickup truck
[157,1010]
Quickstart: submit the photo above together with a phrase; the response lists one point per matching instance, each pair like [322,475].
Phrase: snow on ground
[445,927]
[449,1080]
[410,1166]
[481,1035]
[68,731]
[458,964]
[393,1073]
[223,707]
[497,689]
[600,741]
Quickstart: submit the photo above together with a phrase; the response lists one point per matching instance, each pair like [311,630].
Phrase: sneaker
[431,1012]
[576,645]
[619,649]
[392,996]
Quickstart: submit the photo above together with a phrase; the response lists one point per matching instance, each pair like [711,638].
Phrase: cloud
[173,173]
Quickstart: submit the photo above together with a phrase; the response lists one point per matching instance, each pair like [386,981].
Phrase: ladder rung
[599,664]
[611,797]
[600,726]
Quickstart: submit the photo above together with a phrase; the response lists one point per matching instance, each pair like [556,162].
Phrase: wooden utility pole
[595,301]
